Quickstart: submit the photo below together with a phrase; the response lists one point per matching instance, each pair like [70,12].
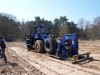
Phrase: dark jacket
[28,40]
[2,44]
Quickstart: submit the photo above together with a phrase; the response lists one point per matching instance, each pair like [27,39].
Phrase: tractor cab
[41,29]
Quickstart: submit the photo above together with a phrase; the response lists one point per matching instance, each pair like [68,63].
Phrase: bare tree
[64,30]
[96,28]
[84,28]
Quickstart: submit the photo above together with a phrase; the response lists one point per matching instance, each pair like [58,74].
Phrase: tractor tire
[39,46]
[50,45]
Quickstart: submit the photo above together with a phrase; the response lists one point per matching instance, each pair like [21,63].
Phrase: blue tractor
[42,40]
[66,47]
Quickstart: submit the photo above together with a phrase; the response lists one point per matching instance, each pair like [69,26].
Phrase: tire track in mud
[66,63]
[86,68]
[24,68]
[36,64]
[24,46]
[77,66]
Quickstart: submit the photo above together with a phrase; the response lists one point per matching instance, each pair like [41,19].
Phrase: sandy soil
[94,48]
[22,62]
[17,65]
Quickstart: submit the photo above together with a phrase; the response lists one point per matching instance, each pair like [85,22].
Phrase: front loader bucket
[81,57]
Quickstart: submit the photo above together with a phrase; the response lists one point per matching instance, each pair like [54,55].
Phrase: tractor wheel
[39,46]
[50,45]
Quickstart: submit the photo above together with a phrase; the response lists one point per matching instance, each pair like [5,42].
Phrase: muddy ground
[22,62]
[16,65]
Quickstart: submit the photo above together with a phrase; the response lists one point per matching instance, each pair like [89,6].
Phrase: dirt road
[22,62]
[94,48]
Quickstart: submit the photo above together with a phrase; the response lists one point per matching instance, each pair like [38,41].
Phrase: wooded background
[86,30]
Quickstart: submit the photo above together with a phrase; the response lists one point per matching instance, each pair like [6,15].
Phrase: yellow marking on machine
[81,57]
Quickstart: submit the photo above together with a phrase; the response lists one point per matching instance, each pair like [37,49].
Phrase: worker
[71,50]
[62,49]
[29,42]
[2,50]
[65,48]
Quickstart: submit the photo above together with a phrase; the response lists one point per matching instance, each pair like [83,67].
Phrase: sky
[50,9]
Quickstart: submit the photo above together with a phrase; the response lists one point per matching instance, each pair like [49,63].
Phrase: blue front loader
[68,46]
[43,42]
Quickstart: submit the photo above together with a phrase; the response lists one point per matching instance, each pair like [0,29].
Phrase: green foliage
[72,27]
[9,26]
[58,27]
